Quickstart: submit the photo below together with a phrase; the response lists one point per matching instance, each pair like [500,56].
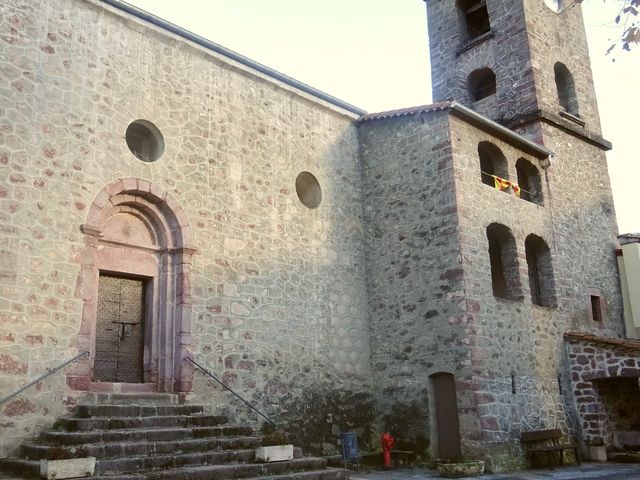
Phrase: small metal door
[120,330]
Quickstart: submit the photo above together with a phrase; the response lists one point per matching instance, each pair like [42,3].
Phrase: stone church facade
[164,199]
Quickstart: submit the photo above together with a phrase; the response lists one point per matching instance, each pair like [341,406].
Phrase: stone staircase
[151,436]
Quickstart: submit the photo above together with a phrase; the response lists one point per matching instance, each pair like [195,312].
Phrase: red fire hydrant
[387,445]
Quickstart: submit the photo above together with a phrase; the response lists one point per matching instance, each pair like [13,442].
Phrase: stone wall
[604,377]
[561,37]
[277,289]
[454,57]
[510,369]
[330,318]
[416,305]
[533,38]
[517,345]
[584,226]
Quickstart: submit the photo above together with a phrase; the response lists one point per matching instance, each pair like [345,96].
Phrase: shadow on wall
[317,418]
[408,424]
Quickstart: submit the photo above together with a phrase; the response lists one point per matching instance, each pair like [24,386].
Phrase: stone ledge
[476,41]
[561,123]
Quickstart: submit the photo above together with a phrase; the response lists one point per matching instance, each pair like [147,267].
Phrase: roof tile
[405,112]
[606,341]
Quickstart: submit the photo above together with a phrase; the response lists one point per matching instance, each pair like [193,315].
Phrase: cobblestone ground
[583,472]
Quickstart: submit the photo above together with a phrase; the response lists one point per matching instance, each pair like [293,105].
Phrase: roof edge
[625,343]
[535,148]
[469,115]
[217,48]
[627,238]
[405,112]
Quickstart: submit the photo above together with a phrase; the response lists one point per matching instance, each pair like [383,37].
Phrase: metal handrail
[49,372]
[227,388]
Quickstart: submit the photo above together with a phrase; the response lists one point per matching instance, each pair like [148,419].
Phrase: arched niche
[541,279]
[566,88]
[503,256]
[482,83]
[135,231]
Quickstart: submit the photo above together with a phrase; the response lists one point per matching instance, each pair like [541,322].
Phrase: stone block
[71,468]
[276,453]
[461,469]
[595,453]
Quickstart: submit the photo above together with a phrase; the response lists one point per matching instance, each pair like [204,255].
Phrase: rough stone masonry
[330,266]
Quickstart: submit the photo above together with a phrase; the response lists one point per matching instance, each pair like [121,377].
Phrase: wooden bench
[547,442]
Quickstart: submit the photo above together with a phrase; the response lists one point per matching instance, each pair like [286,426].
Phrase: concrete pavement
[586,471]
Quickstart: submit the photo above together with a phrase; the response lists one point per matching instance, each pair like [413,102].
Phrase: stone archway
[136,230]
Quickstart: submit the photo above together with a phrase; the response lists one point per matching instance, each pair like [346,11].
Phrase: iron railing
[46,374]
[207,372]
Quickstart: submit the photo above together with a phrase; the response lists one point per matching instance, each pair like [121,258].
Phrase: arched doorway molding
[136,229]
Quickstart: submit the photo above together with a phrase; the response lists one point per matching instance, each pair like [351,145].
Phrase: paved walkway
[587,471]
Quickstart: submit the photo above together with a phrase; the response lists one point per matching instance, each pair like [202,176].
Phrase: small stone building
[165,199]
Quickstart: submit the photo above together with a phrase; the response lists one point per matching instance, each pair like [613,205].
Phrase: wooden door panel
[119,330]
[447,416]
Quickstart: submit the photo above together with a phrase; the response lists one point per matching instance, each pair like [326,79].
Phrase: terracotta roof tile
[405,112]
[607,341]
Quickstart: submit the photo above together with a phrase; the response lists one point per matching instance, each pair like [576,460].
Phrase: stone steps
[142,398]
[24,468]
[178,459]
[325,474]
[156,421]
[125,449]
[306,468]
[90,411]
[240,470]
[172,461]
[149,436]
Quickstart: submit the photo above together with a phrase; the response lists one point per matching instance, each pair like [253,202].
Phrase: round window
[145,140]
[308,190]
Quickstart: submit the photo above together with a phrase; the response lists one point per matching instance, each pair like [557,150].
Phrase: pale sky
[374,55]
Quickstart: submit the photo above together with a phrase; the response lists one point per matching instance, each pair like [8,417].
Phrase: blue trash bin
[349,446]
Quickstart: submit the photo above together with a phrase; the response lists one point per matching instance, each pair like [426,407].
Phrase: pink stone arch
[165,262]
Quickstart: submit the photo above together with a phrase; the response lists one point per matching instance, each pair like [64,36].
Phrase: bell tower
[514,61]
